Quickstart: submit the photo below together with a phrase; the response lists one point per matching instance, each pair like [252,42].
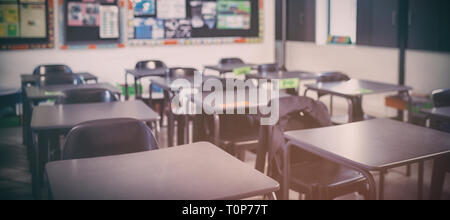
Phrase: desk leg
[420,182]
[127,97]
[40,157]
[170,119]
[216,129]
[381,185]
[180,129]
[350,110]
[136,91]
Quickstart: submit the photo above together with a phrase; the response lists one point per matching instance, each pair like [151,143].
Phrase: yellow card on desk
[242,70]
[292,83]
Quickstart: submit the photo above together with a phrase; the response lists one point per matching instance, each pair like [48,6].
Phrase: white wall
[109,64]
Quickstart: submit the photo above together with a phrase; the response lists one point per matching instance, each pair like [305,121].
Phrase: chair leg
[420,182]
[381,186]
[408,170]
[440,167]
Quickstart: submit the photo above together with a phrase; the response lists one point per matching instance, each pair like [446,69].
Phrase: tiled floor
[15,178]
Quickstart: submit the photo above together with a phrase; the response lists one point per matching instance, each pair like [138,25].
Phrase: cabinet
[301,16]
[377,23]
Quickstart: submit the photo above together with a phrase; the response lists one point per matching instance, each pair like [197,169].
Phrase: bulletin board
[175,22]
[26,24]
[91,23]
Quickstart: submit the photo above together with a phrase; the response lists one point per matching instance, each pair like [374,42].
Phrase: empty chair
[268,68]
[311,175]
[79,96]
[358,113]
[231,60]
[107,138]
[151,65]
[181,72]
[51,69]
[441,98]
[60,79]
[333,77]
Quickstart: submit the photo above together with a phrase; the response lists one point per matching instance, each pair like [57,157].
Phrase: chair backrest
[151,64]
[107,138]
[333,77]
[231,60]
[297,113]
[60,79]
[441,98]
[268,68]
[51,69]
[182,72]
[79,96]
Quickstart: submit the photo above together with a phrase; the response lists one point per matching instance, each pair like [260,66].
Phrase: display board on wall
[168,22]
[26,24]
[91,23]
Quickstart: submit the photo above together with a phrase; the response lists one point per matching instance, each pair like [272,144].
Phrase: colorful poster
[144,7]
[209,13]
[83,14]
[32,1]
[149,28]
[178,29]
[233,14]
[196,14]
[171,9]
[2,30]
[109,22]
[9,20]
[32,21]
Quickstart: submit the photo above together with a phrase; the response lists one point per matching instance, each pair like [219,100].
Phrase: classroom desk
[171,87]
[375,145]
[442,113]
[234,106]
[354,89]
[198,171]
[228,68]
[30,79]
[284,75]
[48,120]
[33,95]
[138,74]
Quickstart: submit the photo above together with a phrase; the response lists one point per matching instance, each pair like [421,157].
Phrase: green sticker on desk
[242,70]
[293,83]
[365,91]
[53,93]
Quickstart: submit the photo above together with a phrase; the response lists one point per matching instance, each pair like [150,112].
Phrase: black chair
[181,72]
[178,72]
[151,65]
[81,96]
[231,60]
[60,79]
[311,175]
[441,167]
[269,68]
[238,133]
[52,69]
[358,113]
[441,98]
[107,138]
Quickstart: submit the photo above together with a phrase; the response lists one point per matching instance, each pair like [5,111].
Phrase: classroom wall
[109,64]
[425,70]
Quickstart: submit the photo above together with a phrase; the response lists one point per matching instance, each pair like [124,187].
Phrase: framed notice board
[26,24]
[169,22]
[91,23]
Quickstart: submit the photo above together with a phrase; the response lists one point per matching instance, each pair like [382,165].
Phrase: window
[342,21]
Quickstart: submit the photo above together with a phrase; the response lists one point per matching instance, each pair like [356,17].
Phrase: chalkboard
[26,24]
[194,21]
[91,22]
